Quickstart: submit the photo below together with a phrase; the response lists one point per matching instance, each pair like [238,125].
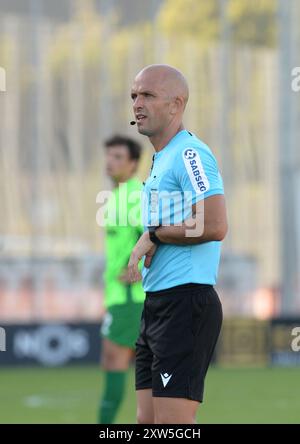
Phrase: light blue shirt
[184,172]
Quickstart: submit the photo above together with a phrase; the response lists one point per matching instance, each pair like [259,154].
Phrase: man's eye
[133,96]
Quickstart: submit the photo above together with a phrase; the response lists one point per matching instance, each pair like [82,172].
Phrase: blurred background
[69,66]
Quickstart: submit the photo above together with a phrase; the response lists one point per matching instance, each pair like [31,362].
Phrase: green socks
[114,385]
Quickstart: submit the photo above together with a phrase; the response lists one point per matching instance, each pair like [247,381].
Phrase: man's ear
[177,104]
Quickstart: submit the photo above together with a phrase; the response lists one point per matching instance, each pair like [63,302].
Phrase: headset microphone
[133,122]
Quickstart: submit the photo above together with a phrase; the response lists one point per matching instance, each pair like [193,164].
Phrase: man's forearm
[189,233]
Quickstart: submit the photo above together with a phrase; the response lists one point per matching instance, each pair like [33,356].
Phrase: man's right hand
[124,277]
[149,256]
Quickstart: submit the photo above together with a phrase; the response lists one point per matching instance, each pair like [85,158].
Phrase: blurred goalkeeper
[123,300]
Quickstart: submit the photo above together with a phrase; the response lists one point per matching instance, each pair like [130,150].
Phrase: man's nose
[138,103]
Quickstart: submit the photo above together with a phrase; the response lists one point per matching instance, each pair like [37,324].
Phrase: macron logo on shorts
[195,170]
[165,378]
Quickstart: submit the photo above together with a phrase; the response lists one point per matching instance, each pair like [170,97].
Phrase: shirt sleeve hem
[207,194]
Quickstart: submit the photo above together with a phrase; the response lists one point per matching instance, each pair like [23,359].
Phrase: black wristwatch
[153,236]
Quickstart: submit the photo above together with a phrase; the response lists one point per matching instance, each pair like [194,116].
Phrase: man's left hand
[143,247]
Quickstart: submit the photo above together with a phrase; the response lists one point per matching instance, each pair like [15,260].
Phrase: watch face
[153,236]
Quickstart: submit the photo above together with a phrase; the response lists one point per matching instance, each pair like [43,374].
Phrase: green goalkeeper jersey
[122,230]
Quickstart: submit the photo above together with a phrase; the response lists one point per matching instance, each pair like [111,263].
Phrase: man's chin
[144,131]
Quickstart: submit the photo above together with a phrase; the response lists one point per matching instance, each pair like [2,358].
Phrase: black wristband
[153,236]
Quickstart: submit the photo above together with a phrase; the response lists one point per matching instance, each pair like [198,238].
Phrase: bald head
[160,94]
[170,79]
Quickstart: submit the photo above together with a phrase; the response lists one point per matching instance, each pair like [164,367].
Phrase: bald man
[184,224]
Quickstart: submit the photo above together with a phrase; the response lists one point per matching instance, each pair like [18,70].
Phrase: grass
[71,395]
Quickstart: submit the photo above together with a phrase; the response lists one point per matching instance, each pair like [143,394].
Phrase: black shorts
[179,330]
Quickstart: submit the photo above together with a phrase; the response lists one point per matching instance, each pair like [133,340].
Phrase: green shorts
[121,324]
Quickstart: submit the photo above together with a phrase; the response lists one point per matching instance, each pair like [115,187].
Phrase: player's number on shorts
[106,323]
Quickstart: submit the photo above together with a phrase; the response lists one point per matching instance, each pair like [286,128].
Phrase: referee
[185,222]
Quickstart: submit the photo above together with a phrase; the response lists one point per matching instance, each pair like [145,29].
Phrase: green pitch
[70,395]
